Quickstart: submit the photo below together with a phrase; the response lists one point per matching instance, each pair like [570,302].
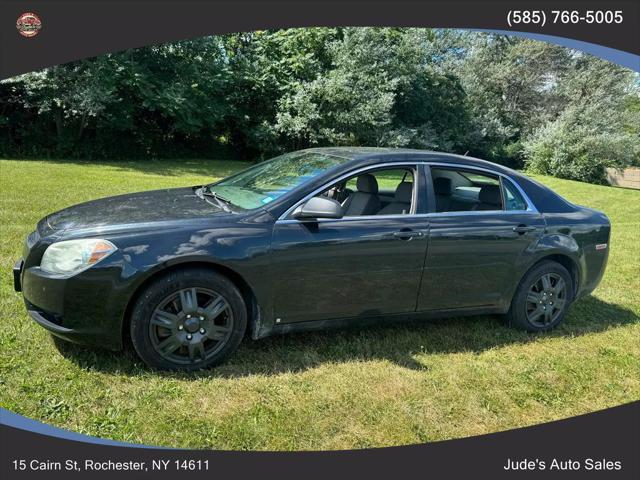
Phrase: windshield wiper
[207,191]
[220,200]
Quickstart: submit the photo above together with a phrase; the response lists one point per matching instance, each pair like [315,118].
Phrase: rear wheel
[542,298]
[188,320]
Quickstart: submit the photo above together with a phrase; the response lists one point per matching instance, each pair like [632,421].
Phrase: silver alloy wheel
[546,300]
[191,325]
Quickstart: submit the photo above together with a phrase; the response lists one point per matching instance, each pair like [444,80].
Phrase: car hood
[131,210]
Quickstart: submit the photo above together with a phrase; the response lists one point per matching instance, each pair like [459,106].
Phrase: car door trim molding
[531,208]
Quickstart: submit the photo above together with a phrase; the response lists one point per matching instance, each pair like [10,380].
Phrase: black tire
[538,304]
[188,319]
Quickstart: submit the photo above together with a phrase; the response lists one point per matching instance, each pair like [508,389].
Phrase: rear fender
[565,245]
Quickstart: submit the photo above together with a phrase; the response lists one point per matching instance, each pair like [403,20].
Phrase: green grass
[352,388]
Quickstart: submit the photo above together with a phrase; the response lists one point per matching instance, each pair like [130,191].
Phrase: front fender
[238,249]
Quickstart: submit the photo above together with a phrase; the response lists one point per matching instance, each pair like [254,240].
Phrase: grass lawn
[373,387]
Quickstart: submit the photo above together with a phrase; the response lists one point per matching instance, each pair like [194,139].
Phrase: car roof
[400,154]
[351,153]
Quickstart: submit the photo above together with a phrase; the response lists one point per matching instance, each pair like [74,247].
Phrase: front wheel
[188,320]
[542,298]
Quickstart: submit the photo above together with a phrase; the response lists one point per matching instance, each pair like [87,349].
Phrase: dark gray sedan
[308,240]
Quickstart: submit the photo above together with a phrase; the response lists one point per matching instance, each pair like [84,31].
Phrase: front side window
[459,190]
[384,191]
[263,183]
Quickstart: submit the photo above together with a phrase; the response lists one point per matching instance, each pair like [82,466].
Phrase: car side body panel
[346,267]
[475,259]
[584,236]
[290,268]
[94,304]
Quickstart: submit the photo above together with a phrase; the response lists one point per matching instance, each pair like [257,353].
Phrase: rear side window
[459,190]
[512,198]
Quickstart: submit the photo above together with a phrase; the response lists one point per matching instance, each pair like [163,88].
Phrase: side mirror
[318,207]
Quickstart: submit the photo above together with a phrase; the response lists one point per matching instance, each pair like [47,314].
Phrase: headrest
[442,186]
[490,194]
[367,184]
[404,191]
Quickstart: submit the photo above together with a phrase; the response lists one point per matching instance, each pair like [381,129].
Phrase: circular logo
[28,24]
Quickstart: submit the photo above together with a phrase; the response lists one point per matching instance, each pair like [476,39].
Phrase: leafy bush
[600,128]
[577,152]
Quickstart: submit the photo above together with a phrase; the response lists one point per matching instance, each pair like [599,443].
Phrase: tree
[381,90]
[598,127]
[252,95]
[265,66]
[151,99]
[510,85]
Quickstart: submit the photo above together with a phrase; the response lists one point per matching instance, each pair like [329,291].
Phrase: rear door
[477,240]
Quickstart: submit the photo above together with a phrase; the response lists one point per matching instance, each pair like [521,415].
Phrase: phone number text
[540,17]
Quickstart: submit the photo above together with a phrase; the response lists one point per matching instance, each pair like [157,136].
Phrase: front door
[359,265]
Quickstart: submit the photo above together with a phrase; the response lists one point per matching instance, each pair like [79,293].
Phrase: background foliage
[252,95]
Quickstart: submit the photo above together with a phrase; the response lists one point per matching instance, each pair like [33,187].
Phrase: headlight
[72,256]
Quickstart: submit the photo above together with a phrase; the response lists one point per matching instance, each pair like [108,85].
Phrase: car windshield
[271,179]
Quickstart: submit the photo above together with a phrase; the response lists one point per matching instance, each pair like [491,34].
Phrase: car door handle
[407,234]
[523,229]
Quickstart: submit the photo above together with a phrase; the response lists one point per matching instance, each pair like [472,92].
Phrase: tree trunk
[59,124]
[83,125]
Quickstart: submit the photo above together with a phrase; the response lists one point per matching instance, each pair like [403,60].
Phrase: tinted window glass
[460,190]
[512,198]
[375,192]
[269,180]
[388,180]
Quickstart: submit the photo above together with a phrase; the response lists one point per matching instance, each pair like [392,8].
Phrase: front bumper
[87,308]
[41,319]
[50,323]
